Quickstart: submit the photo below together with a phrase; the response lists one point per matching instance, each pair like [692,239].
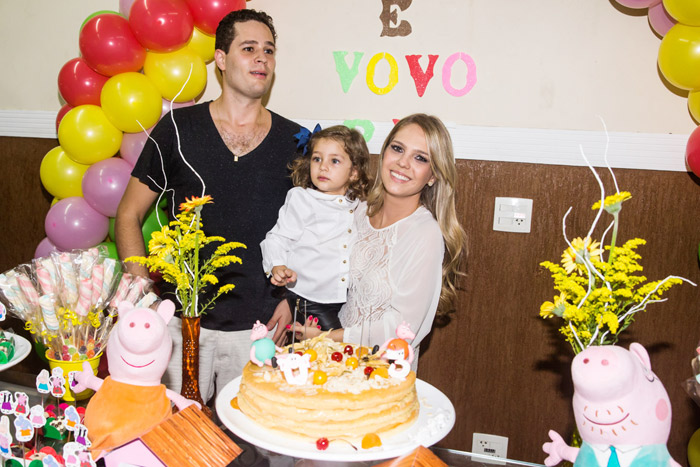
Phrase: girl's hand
[309,331]
[282,275]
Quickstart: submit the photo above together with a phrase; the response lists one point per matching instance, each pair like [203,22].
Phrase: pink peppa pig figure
[263,348]
[131,401]
[622,411]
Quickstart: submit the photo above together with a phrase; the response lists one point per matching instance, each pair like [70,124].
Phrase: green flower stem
[613,239]
[198,211]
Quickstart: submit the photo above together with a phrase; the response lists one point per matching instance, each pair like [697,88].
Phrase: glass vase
[190,361]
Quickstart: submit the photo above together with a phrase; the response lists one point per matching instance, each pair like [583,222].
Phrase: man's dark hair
[226,30]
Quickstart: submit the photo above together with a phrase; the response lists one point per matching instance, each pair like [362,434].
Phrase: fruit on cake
[324,389]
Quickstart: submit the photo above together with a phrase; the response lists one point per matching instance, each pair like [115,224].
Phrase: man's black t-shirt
[247,195]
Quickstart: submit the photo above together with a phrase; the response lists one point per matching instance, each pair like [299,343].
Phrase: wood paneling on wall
[505,369]
[22,197]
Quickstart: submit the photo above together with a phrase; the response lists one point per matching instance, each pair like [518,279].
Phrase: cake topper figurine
[58,382]
[295,367]
[131,401]
[72,418]
[622,411]
[398,352]
[21,400]
[24,429]
[395,349]
[42,382]
[6,403]
[263,348]
[5,435]
[50,461]
[75,455]
[36,416]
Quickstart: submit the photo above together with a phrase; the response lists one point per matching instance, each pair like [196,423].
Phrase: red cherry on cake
[368,370]
[337,357]
[300,353]
[322,444]
[348,349]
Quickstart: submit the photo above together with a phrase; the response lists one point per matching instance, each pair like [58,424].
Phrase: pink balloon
[692,152]
[167,105]
[104,184]
[125,7]
[132,145]
[71,223]
[44,248]
[638,4]
[659,19]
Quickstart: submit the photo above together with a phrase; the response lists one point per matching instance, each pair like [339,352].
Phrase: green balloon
[151,224]
[111,249]
[101,12]
[111,229]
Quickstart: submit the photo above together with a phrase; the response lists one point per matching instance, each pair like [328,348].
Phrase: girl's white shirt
[395,276]
[312,237]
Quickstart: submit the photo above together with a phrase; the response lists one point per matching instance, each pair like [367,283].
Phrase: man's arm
[137,198]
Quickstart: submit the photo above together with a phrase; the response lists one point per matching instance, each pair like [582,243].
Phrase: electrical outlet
[512,215]
[490,445]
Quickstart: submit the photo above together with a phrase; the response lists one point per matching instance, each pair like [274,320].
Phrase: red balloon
[64,110]
[208,13]
[109,47]
[692,152]
[161,25]
[79,84]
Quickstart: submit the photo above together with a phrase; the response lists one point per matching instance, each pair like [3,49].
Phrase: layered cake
[341,395]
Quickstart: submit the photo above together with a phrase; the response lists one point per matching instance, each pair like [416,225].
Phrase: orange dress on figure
[121,412]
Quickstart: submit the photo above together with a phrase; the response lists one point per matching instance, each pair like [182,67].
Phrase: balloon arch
[134,66]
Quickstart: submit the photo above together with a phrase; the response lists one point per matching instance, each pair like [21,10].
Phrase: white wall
[541,64]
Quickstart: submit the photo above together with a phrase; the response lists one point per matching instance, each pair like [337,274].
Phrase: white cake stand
[435,420]
[22,349]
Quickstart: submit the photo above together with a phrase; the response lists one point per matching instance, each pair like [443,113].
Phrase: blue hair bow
[304,136]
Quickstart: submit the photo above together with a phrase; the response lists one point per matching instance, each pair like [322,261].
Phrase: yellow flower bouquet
[600,287]
[175,253]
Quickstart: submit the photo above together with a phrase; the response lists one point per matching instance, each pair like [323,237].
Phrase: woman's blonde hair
[439,199]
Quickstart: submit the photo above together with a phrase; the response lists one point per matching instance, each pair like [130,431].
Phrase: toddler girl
[308,250]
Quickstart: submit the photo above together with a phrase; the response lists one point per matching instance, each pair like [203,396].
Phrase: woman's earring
[430,183]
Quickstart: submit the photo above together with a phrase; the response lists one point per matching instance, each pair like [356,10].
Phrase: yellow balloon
[129,99]
[202,44]
[87,135]
[169,72]
[694,450]
[55,200]
[694,105]
[679,57]
[684,11]
[61,175]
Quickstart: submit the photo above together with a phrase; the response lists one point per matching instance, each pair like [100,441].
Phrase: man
[236,151]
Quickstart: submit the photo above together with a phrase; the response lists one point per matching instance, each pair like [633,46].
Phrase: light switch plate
[512,215]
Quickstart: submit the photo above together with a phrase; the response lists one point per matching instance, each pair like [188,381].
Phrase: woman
[408,242]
